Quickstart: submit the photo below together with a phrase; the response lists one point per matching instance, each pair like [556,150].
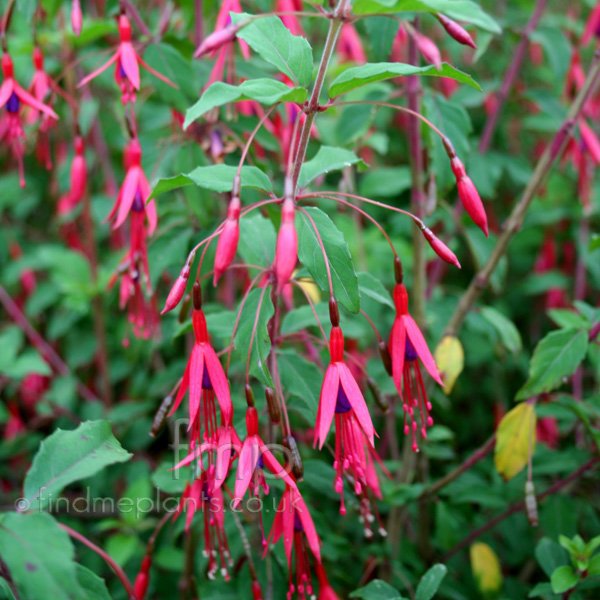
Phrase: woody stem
[515,219]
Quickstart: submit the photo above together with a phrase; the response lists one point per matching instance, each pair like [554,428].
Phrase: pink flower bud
[454,30]
[216,40]
[428,50]
[177,291]
[76,17]
[228,239]
[78,171]
[590,140]
[439,247]
[469,195]
[286,253]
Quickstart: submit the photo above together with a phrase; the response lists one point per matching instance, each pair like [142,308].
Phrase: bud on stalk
[78,171]
[428,49]
[455,31]
[286,253]
[439,247]
[289,442]
[385,357]
[76,17]
[216,40]
[177,291]
[469,196]
[228,239]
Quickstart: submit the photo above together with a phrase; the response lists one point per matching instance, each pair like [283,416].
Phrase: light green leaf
[430,582]
[265,91]
[327,159]
[257,240]
[67,456]
[381,32]
[355,77]
[563,579]
[274,42]
[344,280]
[377,590]
[509,334]
[218,178]
[461,10]
[557,356]
[373,288]
[93,586]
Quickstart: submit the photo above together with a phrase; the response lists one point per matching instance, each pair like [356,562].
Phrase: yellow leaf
[311,288]
[486,569]
[515,435]
[450,359]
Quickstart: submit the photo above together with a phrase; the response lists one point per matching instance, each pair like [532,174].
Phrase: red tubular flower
[11,96]
[254,456]
[40,82]
[204,377]
[140,587]
[294,523]
[291,21]
[406,346]
[286,252]
[592,25]
[350,45]
[326,592]
[76,17]
[78,171]
[439,247]
[127,72]
[256,591]
[429,51]
[228,239]
[141,313]
[177,291]
[469,196]
[456,31]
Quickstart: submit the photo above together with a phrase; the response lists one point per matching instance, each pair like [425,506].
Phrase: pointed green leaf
[355,77]
[557,356]
[345,282]
[274,42]
[264,91]
[377,590]
[563,579]
[257,240]
[430,582]
[509,334]
[93,586]
[327,159]
[373,288]
[67,456]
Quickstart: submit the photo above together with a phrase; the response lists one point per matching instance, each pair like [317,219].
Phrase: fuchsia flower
[291,21]
[326,592]
[253,457]
[11,96]
[286,251]
[141,313]
[407,345]
[78,171]
[204,377]
[592,26]
[76,17]
[453,29]
[429,51]
[469,196]
[294,523]
[127,71]
[178,290]
[228,239]
[350,45]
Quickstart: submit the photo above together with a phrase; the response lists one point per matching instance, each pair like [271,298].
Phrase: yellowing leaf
[311,288]
[450,359]
[486,569]
[513,440]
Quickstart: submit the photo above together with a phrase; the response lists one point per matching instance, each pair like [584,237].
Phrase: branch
[517,215]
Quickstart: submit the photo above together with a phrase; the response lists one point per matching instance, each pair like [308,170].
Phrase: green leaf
[557,356]
[461,10]
[549,555]
[67,456]
[373,288]
[93,586]
[257,240]
[509,334]
[261,345]
[218,178]
[345,282]
[430,582]
[302,380]
[381,32]
[265,91]
[594,242]
[563,579]
[377,590]
[39,556]
[274,42]
[384,182]
[355,77]
[569,319]
[327,159]
[303,316]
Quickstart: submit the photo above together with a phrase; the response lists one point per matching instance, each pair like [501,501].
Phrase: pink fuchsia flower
[469,195]
[455,31]
[429,51]
[78,171]
[76,17]
[178,290]
[204,497]
[11,97]
[592,26]
[290,21]
[407,346]
[286,251]
[350,46]
[204,376]
[326,592]
[340,396]
[294,523]
[228,239]
[127,71]
[253,457]
[590,140]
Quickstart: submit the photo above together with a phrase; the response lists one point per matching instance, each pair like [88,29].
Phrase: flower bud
[334,312]
[455,31]
[439,247]
[177,291]
[124,28]
[78,171]
[228,239]
[286,253]
[197,296]
[469,195]
[256,591]
[295,459]
[76,17]
[272,406]
[385,357]
[428,50]
[216,40]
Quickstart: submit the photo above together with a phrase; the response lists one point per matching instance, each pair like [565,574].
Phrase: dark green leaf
[257,240]
[355,77]
[327,159]
[373,288]
[302,379]
[509,334]
[67,456]
[430,582]
[345,282]
[557,356]
[39,556]
[385,182]
[272,40]
[265,91]
[381,32]
[93,586]
[550,555]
